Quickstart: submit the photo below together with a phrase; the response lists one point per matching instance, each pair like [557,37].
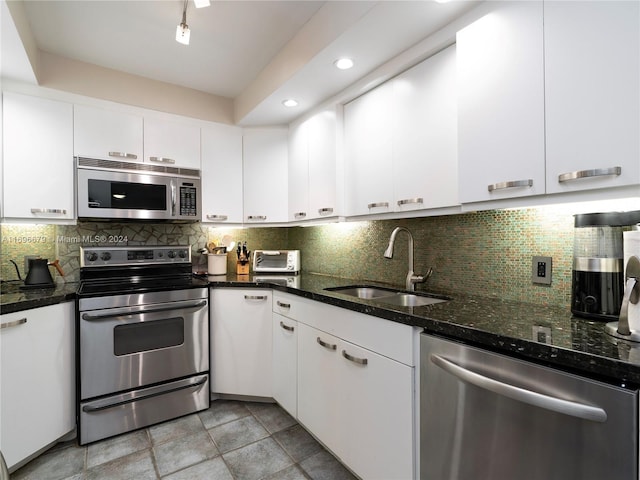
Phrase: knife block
[242,269]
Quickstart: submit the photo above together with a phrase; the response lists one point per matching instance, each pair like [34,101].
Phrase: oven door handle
[106,406]
[88,316]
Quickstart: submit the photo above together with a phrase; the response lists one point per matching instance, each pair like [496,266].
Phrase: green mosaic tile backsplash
[484,253]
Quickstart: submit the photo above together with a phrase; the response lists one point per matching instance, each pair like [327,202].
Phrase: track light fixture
[182,31]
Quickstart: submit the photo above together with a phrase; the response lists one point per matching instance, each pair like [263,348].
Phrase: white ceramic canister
[217,264]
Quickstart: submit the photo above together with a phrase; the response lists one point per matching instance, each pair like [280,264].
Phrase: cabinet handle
[287,327]
[49,211]
[15,323]
[255,297]
[325,211]
[359,361]
[596,172]
[162,160]
[511,184]
[256,218]
[378,204]
[220,218]
[283,305]
[299,214]
[408,201]
[330,346]
[130,156]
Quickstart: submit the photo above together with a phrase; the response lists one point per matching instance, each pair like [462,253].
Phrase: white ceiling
[233,41]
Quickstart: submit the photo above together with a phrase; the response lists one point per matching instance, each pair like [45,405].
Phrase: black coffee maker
[598,271]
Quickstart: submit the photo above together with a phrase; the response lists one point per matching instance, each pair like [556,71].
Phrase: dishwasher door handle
[565,407]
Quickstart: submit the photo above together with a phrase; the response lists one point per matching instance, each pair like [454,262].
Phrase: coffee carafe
[598,270]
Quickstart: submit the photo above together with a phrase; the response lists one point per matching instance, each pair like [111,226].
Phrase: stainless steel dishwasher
[486,416]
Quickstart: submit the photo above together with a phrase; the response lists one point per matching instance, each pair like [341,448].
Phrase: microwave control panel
[188,201]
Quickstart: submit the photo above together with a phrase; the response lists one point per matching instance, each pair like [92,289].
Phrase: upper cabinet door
[222,174]
[425,162]
[368,152]
[107,134]
[299,172]
[501,104]
[322,164]
[592,72]
[38,158]
[171,143]
[265,165]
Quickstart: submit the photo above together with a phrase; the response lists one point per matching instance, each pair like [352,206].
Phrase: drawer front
[388,338]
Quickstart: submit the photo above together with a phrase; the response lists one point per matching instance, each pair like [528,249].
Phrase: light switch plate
[541,270]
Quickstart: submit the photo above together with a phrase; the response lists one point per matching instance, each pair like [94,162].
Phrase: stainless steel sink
[363,292]
[410,300]
[387,295]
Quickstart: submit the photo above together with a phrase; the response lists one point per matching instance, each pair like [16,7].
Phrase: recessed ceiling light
[290,102]
[343,63]
[201,3]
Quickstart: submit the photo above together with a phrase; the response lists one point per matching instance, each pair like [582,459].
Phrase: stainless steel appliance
[276,261]
[143,339]
[597,278]
[487,416]
[108,189]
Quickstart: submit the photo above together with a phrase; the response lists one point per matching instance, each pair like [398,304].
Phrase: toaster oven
[276,261]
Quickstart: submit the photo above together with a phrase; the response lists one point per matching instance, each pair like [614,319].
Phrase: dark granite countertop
[575,344]
[12,299]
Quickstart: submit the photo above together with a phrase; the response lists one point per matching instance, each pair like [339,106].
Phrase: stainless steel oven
[143,339]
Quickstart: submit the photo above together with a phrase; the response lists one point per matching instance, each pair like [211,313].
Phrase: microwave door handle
[173,197]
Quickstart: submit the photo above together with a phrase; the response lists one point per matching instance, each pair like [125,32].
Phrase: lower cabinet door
[37,380]
[241,342]
[319,396]
[358,403]
[376,414]
[285,363]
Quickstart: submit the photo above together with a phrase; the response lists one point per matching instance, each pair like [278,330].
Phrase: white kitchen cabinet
[425,162]
[265,167]
[401,141]
[319,395]
[171,142]
[298,172]
[37,158]
[358,403]
[500,69]
[368,152]
[285,363]
[107,134]
[355,384]
[592,94]
[37,379]
[241,342]
[376,413]
[312,167]
[221,173]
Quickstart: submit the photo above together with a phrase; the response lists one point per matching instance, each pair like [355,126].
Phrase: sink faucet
[412,278]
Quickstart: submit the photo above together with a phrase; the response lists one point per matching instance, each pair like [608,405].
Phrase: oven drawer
[131,347]
[115,414]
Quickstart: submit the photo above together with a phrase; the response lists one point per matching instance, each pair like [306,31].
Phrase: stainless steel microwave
[108,189]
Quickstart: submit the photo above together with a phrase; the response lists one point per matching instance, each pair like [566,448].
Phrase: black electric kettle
[39,273]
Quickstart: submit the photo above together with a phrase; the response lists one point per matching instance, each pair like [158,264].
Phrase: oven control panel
[116,256]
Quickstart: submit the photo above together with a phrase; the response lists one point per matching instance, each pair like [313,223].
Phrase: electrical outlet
[541,270]
[541,334]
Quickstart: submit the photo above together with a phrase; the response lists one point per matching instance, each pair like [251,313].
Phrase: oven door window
[126,195]
[145,336]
